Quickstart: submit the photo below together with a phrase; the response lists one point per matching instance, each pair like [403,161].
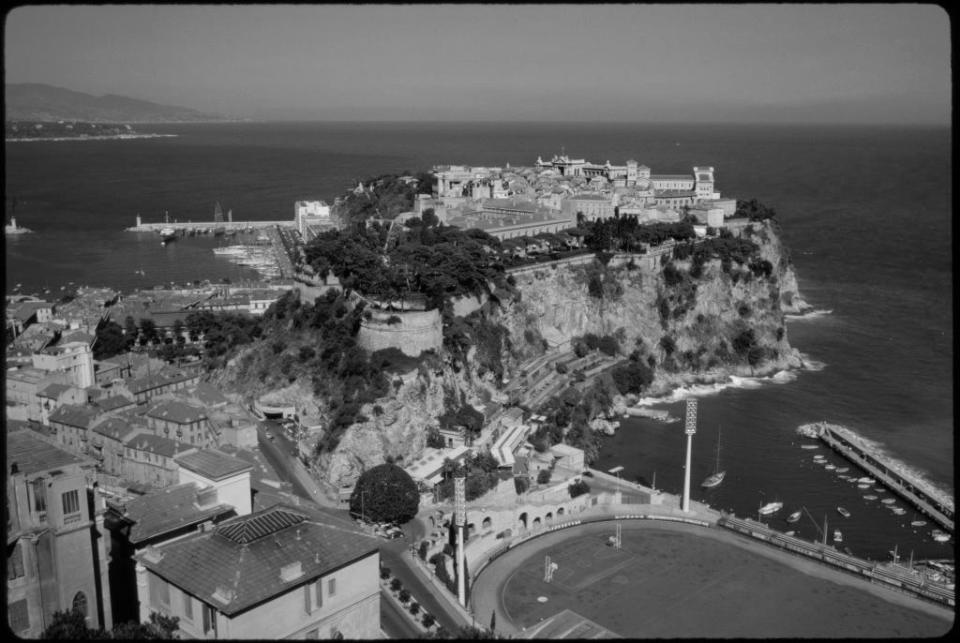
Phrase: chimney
[291,572]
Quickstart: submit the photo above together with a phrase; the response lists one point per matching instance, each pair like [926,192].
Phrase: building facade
[56,553]
[273,574]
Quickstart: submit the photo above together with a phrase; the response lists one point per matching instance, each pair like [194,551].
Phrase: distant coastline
[87,138]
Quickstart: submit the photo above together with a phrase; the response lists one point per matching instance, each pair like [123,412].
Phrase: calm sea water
[865,212]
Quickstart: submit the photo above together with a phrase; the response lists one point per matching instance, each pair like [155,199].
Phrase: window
[319,589]
[40,497]
[331,587]
[71,505]
[159,591]
[15,563]
[307,604]
[209,619]
[187,606]
[18,615]
[80,603]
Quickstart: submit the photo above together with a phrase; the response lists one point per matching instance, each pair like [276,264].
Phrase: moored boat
[167,235]
[940,536]
[830,467]
[918,523]
[888,501]
[867,480]
[843,512]
[837,536]
[809,446]
[770,508]
[795,516]
[842,469]
[869,496]
[717,476]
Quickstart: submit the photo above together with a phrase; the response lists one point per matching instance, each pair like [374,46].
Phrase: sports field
[685,581]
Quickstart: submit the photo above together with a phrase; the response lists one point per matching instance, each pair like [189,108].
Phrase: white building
[311,213]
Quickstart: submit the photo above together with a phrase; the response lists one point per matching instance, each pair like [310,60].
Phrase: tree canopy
[385,493]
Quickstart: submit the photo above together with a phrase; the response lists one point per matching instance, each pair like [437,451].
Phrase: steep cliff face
[693,323]
[725,320]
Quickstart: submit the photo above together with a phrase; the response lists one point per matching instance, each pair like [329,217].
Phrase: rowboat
[795,516]
[843,512]
[869,496]
[888,501]
[771,508]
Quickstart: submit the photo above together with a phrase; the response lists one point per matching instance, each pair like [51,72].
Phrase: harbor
[924,496]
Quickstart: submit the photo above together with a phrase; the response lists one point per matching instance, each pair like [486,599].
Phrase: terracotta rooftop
[157,444]
[114,402]
[75,415]
[53,390]
[166,510]
[31,454]
[213,464]
[238,565]
[176,411]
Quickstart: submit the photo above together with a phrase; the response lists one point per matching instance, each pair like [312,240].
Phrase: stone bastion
[415,332]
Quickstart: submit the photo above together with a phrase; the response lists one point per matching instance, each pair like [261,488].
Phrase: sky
[641,63]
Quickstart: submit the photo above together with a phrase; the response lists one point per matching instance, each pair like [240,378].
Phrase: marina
[894,476]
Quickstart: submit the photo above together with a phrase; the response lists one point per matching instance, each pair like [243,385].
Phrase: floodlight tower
[460,499]
[690,429]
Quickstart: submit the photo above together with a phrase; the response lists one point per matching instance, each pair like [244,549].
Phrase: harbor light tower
[690,428]
[460,524]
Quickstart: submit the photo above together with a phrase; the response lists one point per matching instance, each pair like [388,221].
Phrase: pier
[207,227]
[905,484]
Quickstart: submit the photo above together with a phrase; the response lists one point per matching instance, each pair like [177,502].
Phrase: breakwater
[895,476]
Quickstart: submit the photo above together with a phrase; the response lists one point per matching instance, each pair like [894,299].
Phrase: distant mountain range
[39,102]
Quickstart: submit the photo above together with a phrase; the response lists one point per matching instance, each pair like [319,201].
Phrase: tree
[544,476]
[110,341]
[404,596]
[428,620]
[578,488]
[148,331]
[385,493]
[396,585]
[72,625]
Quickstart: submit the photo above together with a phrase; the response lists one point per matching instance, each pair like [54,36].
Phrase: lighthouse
[690,429]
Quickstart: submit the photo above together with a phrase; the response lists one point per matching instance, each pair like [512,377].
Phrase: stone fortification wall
[416,331]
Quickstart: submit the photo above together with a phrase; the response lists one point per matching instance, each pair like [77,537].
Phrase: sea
[864,211]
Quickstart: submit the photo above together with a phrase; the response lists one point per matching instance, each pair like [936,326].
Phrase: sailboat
[716,477]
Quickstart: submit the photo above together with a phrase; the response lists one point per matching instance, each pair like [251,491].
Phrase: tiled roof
[589,197]
[33,455]
[176,411]
[156,380]
[163,511]
[156,444]
[114,402]
[213,464]
[244,556]
[259,526]
[209,395]
[74,415]
[53,390]
[671,177]
[116,428]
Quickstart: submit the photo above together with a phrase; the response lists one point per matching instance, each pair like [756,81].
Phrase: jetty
[207,227]
[907,484]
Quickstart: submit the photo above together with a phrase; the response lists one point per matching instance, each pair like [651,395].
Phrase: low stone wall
[416,331]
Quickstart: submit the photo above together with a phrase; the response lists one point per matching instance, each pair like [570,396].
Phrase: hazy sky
[753,63]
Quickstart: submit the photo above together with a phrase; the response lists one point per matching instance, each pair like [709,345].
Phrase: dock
[921,494]
[206,227]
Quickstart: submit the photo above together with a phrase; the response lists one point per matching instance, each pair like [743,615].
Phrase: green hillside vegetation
[384,197]
[437,262]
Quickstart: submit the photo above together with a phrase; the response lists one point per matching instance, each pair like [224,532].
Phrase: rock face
[724,321]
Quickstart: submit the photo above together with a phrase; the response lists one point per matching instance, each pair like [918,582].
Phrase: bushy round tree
[385,493]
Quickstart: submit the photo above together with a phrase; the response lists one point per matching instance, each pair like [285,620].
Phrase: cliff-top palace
[520,201]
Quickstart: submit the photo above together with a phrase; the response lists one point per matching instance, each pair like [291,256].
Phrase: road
[395,624]
[280,452]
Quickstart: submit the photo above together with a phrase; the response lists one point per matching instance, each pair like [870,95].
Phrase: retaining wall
[416,331]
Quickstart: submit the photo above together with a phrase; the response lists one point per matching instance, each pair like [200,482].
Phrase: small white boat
[918,523]
[842,469]
[863,486]
[888,501]
[809,446]
[869,496]
[795,516]
[940,536]
[837,536]
[790,533]
[867,480]
[830,467]
[898,510]
[771,508]
[843,512]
